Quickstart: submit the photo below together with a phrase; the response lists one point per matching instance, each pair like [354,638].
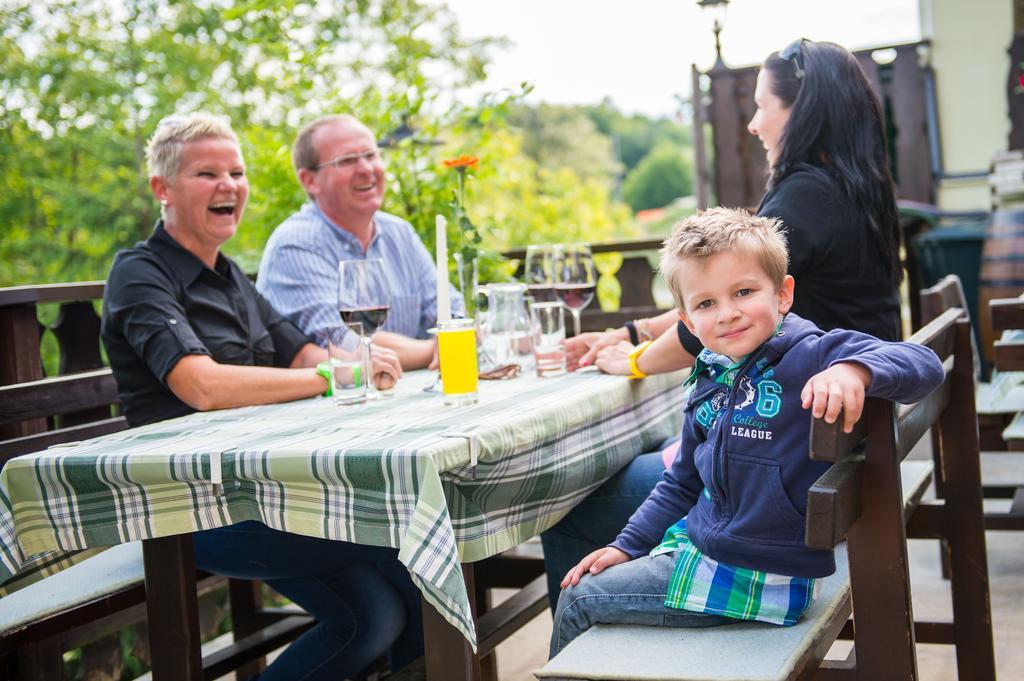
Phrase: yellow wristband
[634,370]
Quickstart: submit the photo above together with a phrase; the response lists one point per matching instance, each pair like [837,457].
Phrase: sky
[579,51]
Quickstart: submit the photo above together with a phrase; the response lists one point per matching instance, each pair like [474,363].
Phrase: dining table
[445,486]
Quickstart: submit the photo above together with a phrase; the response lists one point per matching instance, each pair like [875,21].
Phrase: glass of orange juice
[456,347]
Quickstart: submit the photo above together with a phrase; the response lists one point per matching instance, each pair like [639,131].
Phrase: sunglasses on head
[794,54]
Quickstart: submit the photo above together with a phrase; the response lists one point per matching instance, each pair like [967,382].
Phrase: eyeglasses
[794,53]
[350,160]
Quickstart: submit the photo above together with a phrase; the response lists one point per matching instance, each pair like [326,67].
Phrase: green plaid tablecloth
[389,473]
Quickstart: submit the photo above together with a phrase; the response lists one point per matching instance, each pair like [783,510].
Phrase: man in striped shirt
[337,162]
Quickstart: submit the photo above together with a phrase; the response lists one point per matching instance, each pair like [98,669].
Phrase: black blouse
[162,303]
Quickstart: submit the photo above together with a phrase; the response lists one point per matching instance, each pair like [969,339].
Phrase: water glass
[348,371]
[548,322]
[456,349]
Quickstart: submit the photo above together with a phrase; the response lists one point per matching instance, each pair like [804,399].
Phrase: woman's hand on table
[594,563]
[614,359]
[582,350]
[386,367]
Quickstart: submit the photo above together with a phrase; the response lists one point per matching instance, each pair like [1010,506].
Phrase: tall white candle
[444,305]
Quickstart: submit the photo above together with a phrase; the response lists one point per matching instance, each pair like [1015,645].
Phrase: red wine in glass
[542,293]
[372,318]
[575,296]
[363,297]
[574,278]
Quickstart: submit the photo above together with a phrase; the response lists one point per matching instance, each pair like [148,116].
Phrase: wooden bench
[107,592]
[997,399]
[1002,396]
[872,500]
[618,648]
[1007,316]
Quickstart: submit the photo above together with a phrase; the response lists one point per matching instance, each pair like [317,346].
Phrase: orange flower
[462,162]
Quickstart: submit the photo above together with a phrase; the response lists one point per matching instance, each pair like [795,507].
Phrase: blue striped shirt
[299,274]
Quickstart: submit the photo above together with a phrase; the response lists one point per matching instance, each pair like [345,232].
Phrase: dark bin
[954,249]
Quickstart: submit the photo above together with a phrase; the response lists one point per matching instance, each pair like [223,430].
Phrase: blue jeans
[361,596]
[629,593]
[598,519]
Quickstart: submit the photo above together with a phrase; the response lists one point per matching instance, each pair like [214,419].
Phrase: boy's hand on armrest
[839,388]
[594,563]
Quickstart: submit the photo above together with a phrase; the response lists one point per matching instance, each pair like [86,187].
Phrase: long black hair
[836,124]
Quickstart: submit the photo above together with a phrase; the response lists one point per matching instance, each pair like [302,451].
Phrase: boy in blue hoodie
[721,537]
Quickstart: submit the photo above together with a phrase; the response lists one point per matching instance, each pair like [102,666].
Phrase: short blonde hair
[163,153]
[720,230]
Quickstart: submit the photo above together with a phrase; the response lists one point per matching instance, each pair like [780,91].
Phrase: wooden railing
[636,279]
[80,401]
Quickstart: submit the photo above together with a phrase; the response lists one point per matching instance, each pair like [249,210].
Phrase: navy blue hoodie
[742,473]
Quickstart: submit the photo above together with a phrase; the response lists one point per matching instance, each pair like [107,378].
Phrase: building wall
[969,55]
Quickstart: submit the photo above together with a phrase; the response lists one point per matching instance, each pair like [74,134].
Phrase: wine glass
[363,300]
[575,281]
[539,272]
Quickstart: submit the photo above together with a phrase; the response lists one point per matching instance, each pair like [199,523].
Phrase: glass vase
[467,281]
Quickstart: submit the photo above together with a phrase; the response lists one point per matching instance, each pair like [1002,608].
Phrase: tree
[637,135]
[521,202]
[662,175]
[85,81]
[565,137]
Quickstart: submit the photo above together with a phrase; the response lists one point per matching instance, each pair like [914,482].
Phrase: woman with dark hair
[829,182]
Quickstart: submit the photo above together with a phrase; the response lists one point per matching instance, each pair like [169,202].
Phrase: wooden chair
[106,592]
[873,500]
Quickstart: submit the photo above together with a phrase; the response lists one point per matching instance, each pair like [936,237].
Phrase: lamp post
[701,180]
[718,9]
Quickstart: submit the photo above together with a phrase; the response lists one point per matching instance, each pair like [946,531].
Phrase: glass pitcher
[505,325]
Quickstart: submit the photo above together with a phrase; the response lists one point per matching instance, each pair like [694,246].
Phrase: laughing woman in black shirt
[829,182]
[185,330]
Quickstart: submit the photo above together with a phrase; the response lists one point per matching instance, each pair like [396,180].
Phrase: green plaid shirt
[702,584]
